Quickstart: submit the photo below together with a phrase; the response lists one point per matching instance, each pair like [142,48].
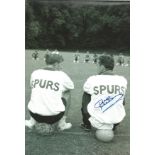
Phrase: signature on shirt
[107,102]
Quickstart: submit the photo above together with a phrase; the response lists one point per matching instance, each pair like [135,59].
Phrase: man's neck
[50,67]
[106,72]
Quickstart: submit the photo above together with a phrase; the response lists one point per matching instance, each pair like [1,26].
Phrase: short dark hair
[107,61]
[52,58]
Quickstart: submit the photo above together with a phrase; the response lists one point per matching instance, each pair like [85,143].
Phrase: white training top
[107,95]
[47,89]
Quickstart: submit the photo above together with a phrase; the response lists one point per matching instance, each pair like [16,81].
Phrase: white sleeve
[68,83]
[88,88]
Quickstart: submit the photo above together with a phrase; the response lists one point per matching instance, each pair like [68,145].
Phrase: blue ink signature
[106,103]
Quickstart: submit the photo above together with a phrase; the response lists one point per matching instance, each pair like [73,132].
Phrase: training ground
[75,141]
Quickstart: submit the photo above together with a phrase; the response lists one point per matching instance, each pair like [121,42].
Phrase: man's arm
[67,101]
[124,102]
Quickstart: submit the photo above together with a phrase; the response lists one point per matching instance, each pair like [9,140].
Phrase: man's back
[107,96]
[47,88]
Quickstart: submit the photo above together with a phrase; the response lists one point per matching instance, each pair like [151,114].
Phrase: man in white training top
[104,97]
[50,94]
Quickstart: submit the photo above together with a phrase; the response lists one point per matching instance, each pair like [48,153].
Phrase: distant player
[120,60]
[46,52]
[76,57]
[50,95]
[103,98]
[95,56]
[87,57]
[128,62]
[35,55]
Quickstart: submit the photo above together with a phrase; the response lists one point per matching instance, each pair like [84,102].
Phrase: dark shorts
[48,119]
[120,61]
[86,60]
[76,58]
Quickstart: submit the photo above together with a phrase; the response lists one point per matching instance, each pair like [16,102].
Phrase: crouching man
[103,100]
[50,96]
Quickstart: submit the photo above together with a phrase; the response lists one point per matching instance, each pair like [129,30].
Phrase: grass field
[75,141]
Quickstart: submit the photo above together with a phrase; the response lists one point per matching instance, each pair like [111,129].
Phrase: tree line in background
[63,26]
